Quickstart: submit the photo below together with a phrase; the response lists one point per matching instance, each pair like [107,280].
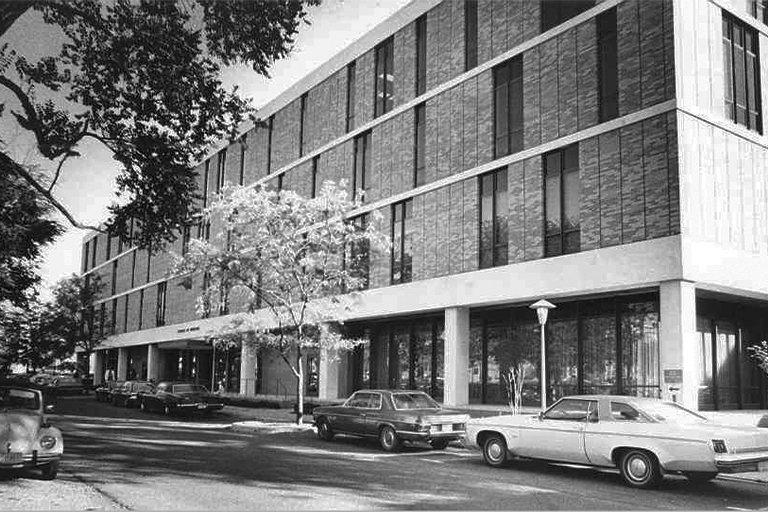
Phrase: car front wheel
[324,431]
[50,470]
[389,440]
[640,469]
[495,451]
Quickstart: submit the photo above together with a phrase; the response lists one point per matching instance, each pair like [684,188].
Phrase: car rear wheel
[701,476]
[639,469]
[495,451]
[50,470]
[389,440]
[439,444]
[324,431]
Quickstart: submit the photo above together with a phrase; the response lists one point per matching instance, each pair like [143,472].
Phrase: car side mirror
[541,415]
[50,408]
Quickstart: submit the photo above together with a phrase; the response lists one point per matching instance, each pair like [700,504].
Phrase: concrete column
[248,369]
[456,357]
[122,364]
[678,342]
[95,366]
[153,362]
[330,362]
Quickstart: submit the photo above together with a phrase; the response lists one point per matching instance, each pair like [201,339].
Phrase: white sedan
[643,437]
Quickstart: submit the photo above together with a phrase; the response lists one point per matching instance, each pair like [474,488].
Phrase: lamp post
[542,308]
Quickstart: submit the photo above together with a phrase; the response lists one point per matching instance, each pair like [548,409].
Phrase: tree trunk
[299,388]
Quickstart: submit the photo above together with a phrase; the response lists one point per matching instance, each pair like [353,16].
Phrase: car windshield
[189,388]
[145,387]
[413,401]
[672,413]
[67,380]
[15,398]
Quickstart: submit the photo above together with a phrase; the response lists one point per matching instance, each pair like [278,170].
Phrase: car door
[346,418]
[369,418]
[619,422]
[558,434]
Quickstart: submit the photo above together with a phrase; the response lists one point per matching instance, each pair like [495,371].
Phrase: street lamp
[542,308]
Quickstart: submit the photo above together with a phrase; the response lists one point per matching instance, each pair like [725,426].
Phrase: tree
[24,230]
[760,354]
[72,317]
[294,263]
[26,337]
[142,78]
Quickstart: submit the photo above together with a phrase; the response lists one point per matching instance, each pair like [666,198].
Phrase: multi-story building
[608,157]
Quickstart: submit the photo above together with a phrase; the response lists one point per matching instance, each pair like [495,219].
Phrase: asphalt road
[124,459]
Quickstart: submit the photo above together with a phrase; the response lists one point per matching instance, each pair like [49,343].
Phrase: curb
[252,426]
[732,478]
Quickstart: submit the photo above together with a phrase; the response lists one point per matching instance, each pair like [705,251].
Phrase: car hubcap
[388,437]
[638,468]
[494,451]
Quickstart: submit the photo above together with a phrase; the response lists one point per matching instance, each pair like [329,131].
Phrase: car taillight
[719,446]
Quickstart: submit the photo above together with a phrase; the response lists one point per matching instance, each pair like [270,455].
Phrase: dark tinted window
[741,70]
[608,65]
[562,191]
[555,12]
[421,55]
[508,106]
[384,79]
[470,34]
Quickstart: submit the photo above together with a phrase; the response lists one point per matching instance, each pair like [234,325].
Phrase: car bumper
[30,460]
[410,435]
[742,462]
[202,407]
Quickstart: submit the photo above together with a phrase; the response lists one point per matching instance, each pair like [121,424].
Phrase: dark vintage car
[171,397]
[391,416]
[103,393]
[26,437]
[66,385]
[129,394]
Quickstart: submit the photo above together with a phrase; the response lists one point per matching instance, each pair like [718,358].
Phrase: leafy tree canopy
[143,79]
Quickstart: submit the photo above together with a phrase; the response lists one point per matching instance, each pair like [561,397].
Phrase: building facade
[606,156]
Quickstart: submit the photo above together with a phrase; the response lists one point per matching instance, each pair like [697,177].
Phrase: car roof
[390,391]
[625,398]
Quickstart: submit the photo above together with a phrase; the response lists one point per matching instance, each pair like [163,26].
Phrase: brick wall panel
[532,19]
[668,50]
[470,221]
[140,272]
[405,64]
[589,177]
[652,79]
[568,79]
[444,42]
[433,42]
[457,38]
[430,235]
[380,261]
[457,132]
[629,57]
[443,135]
[443,230]
[432,139]
[133,312]
[673,174]
[531,98]
[610,189]
[484,31]
[516,217]
[498,28]
[469,109]
[406,152]
[534,208]
[514,24]
[587,80]
[657,197]
[364,69]
[632,184]
[548,86]
[484,117]
[456,221]
[418,238]
[149,309]
[378,156]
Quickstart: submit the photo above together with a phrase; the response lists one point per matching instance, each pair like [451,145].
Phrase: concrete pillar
[248,369]
[330,362]
[456,370]
[95,366]
[678,343]
[153,362]
[122,364]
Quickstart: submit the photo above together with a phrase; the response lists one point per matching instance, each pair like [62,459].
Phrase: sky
[87,183]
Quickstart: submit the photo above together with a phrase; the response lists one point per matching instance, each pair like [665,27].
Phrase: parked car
[42,379]
[27,439]
[391,416]
[129,394]
[171,397]
[644,438]
[103,393]
[66,385]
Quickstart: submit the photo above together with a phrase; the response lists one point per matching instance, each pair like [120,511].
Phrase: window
[384,78]
[206,174]
[114,277]
[350,96]
[315,162]
[508,106]
[759,10]
[86,254]
[420,145]
[402,242]
[160,312]
[102,318]
[624,412]
[141,308]
[359,253]
[109,247]
[470,34]
[302,122]
[555,12]
[362,164]
[113,317]
[421,55]
[280,183]
[221,170]
[571,409]
[561,200]
[185,236]
[95,241]
[243,147]
[742,74]
[494,207]
[149,265]
[125,314]
[270,129]
[608,92]
[133,269]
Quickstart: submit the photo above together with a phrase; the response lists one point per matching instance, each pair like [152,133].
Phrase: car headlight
[47,442]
